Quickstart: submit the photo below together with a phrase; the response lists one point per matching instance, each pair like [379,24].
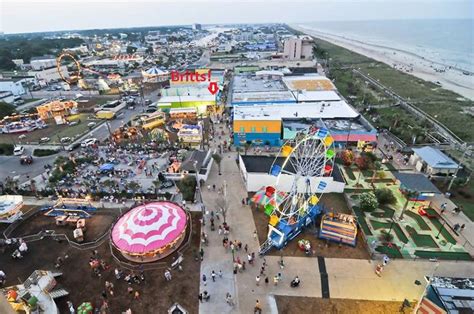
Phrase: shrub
[385,236]
[347,157]
[362,163]
[385,196]
[187,187]
[381,174]
[6,149]
[44,152]
[368,201]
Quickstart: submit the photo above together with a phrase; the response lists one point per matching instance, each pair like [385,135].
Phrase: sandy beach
[451,79]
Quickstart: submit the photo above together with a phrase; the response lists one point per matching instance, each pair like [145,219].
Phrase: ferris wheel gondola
[300,169]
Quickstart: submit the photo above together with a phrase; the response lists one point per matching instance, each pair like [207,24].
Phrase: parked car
[88,142]
[73,123]
[18,150]
[91,124]
[65,139]
[44,140]
[21,136]
[148,102]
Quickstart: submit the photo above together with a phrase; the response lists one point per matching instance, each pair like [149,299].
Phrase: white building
[7,97]
[255,171]
[44,62]
[45,76]
[13,86]
[298,48]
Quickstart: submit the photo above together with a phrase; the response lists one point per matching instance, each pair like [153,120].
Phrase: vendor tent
[107,167]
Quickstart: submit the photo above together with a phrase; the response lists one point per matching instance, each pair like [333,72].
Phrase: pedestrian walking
[200,297]
[275,280]
[219,230]
[257,280]
[249,258]
[220,273]
[246,248]
[463,226]
[137,295]
[70,306]
[201,253]
[204,279]
[258,308]
[213,275]
[262,270]
[266,280]
[255,234]
[168,275]
[228,299]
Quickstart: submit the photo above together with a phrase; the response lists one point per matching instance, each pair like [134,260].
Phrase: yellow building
[259,132]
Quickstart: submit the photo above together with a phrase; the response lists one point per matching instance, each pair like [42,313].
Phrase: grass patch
[391,252]
[350,173]
[44,152]
[444,232]
[6,149]
[421,240]
[368,173]
[459,256]
[419,220]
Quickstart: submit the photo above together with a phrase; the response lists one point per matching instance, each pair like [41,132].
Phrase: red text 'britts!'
[189,76]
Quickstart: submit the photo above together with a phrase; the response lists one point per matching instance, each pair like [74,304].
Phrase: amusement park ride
[307,159]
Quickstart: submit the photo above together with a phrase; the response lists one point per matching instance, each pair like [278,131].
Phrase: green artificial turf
[444,231]
[391,252]
[350,173]
[385,213]
[419,220]
[386,226]
[360,219]
[462,256]
[421,240]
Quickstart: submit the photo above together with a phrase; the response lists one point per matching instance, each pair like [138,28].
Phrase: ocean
[446,41]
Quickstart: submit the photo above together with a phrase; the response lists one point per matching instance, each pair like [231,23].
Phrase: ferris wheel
[299,168]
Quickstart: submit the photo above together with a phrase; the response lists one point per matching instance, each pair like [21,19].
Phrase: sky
[17,16]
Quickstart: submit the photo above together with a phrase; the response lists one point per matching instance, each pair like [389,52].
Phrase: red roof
[354,137]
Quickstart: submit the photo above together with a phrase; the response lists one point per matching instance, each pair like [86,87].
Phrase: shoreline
[452,79]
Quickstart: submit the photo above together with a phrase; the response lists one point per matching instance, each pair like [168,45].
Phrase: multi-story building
[298,48]
[12,85]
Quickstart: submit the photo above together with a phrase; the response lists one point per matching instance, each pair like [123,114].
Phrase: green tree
[6,109]
[368,201]
[217,158]
[385,197]
[408,195]
[187,187]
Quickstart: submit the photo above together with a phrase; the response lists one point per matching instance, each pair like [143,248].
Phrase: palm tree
[217,158]
[409,194]
[247,145]
[157,184]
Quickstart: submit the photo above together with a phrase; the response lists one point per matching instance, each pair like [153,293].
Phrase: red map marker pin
[213,88]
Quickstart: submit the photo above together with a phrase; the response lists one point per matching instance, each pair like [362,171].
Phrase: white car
[21,136]
[88,142]
[91,124]
[18,150]
[65,139]
[44,140]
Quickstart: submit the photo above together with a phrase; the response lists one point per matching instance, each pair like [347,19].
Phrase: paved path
[347,278]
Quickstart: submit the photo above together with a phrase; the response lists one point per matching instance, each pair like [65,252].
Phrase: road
[10,166]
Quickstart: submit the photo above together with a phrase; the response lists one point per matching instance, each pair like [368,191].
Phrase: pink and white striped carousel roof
[149,227]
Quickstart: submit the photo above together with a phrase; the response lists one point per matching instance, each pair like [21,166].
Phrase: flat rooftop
[314,110]
[197,98]
[302,96]
[244,83]
[309,82]
[262,97]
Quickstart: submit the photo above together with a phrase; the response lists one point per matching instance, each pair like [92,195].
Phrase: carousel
[150,232]
[155,75]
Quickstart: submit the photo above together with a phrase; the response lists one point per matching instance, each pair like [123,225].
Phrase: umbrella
[106,167]
[261,197]
[85,308]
